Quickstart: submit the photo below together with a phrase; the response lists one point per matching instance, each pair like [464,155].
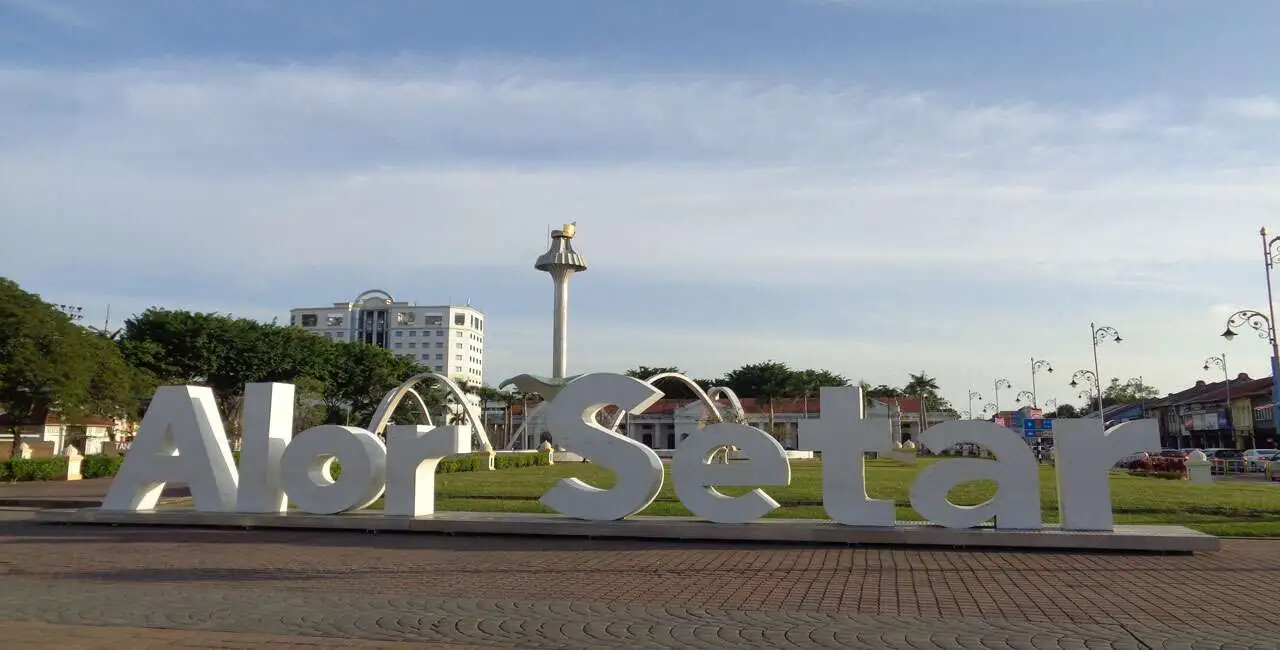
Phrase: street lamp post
[1051,409]
[1101,334]
[1266,329]
[972,396]
[1269,253]
[1001,383]
[1036,366]
[991,408]
[1090,377]
[1027,394]
[1221,362]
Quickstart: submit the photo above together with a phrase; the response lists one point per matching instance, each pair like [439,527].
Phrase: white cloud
[247,172]
[1260,108]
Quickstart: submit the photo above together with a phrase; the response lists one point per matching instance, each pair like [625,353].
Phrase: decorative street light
[1027,394]
[1036,366]
[1266,330]
[972,396]
[1221,362]
[1269,252]
[1101,334]
[1086,395]
[1001,383]
[1091,378]
[1051,406]
[992,409]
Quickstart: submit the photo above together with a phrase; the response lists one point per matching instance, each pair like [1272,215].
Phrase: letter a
[181,439]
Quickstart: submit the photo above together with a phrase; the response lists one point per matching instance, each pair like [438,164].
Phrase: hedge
[33,469]
[55,468]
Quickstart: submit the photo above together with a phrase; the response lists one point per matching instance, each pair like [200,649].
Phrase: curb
[50,504]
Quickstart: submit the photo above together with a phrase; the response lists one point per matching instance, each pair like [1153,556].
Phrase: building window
[439,332]
[399,333]
[458,334]
[399,344]
[309,320]
[405,317]
[439,357]
[426,332]
[458,345]
[411,332]
[334,320]
[341,335]
[459,319]
[424,357]
[439,344]
[412,344]
[457,357]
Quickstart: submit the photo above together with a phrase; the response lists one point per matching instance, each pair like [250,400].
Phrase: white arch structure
[706,397]
[391,400]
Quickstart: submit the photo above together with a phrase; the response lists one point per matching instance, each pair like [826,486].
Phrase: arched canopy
[372,293]
[702,396]
[387,407]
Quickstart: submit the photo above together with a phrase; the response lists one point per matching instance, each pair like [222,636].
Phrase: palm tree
[921,384]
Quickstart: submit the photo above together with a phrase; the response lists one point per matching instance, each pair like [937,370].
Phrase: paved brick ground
[601,594]
[37,636]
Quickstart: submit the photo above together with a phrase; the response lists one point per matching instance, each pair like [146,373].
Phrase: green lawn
[1227,508]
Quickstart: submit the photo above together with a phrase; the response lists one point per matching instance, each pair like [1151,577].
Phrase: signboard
[1036,427]
[182,438]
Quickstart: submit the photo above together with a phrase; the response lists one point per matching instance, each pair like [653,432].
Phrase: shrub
[1159,467]
[97,466]
[34,469]
[100,466]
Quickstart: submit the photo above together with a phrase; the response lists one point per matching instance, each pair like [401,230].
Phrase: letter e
[695,477]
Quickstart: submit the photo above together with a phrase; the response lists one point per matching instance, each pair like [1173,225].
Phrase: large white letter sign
[844,437]
[305,469]
[181,439]
[571,421]
[695,477]
[413,453]
[1016,504]
[1085,455]
[265,431]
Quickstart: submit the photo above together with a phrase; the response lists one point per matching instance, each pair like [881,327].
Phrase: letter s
[571,422]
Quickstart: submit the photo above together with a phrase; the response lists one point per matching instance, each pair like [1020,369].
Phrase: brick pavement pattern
[545,593]
[36,636]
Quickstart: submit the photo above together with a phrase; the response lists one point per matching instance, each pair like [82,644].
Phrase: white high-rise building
[446,339]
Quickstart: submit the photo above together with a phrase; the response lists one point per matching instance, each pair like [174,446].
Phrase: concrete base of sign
[1125,538]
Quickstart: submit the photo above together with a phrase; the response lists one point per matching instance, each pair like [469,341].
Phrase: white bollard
[1199,468]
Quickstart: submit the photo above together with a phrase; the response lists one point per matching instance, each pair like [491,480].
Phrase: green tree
[1128,392]
[806,384]
[46,361]
[925,387]
[767,382]
[358,377]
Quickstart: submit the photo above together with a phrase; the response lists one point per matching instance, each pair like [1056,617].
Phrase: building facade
[446,339]
[1236,415]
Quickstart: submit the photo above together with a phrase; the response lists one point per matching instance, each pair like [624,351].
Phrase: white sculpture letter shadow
[1016,504]
[844,437]
[695,476]
[571,419]
[266,429]
[1085,455]
[306,469]
[181,439]
[413,454]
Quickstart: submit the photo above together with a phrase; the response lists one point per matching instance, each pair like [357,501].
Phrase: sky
[875,187]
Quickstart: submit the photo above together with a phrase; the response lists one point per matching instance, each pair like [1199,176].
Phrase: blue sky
[877,187]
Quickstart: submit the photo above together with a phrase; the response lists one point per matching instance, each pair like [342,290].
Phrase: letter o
[307,479]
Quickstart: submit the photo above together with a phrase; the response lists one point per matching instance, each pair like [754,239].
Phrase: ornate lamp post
[1001,383]
[1265,327]
[1036,366]
[1221,363]
[1269,253]
[1027,394]
[1091,378]
[992,409]
[1101,334]
[972,396]
[1051,406]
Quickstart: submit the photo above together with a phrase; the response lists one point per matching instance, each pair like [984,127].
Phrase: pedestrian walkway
[290,587]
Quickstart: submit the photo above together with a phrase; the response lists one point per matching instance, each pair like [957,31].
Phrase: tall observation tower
[561,262]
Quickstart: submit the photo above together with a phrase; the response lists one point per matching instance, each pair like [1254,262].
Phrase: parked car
[1271,468]
[1253,458]
[1175,453]
[1225,461]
